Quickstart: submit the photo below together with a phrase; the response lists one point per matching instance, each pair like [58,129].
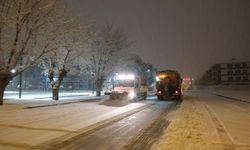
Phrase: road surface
[132,131]
[207,121]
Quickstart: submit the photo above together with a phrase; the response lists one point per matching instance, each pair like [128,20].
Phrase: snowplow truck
[135,87]
[168,85]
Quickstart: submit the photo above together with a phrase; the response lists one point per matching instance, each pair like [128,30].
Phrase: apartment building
[228,73]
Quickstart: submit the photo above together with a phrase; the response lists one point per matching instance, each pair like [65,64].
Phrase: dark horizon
[187,36]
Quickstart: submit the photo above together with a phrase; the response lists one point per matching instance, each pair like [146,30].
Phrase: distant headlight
[131,94]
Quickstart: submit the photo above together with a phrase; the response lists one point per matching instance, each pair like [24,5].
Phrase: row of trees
[29,32]
[42,32]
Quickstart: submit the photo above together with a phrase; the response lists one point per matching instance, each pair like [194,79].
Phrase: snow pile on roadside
[116,99]
[190,129]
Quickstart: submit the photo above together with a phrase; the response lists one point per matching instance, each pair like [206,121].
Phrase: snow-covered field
[208,122]
[44,95]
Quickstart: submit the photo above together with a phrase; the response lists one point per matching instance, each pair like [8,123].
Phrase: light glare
[125,77]
[131,94]
[13,71]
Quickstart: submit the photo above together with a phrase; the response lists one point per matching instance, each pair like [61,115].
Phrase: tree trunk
[55,93]
[98,91]
[98,87]
[56,86]
[4,81]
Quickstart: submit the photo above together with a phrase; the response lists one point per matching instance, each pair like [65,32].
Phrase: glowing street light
[13,71]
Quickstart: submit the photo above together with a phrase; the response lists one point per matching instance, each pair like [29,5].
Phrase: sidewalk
[22,128]
[44,95]
[32,99]
[29,104]
[241,95]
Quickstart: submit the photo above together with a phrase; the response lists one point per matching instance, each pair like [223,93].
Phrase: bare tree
[56,67]
[63,61]
[103,52]
[138,65]
[29,29]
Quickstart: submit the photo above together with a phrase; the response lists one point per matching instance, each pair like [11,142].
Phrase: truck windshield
[169,81]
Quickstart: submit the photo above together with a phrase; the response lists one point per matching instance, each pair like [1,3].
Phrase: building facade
[228,73]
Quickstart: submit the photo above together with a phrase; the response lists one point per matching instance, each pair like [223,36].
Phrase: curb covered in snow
[232,98]
[61,103]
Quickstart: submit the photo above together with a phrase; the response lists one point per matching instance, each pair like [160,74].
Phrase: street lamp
[13,71]
[20,79]
[20,85]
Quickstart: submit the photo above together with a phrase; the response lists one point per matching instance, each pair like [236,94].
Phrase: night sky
[185,35]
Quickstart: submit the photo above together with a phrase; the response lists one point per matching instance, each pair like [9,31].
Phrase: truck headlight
[131,94]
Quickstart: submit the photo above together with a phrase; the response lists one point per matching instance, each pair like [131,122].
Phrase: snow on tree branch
[102,54]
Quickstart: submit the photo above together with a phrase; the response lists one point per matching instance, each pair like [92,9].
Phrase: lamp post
[20,86]
[20,80]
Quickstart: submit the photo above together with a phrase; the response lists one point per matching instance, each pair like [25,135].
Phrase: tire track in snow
[224,135]
[57,143]
[148,136]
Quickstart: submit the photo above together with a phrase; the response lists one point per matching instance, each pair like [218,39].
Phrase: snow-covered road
[119,133]
[203,121]
[22,128]
[206,121]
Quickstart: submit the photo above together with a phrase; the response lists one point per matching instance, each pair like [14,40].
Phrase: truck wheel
[160,97]
[179,98]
